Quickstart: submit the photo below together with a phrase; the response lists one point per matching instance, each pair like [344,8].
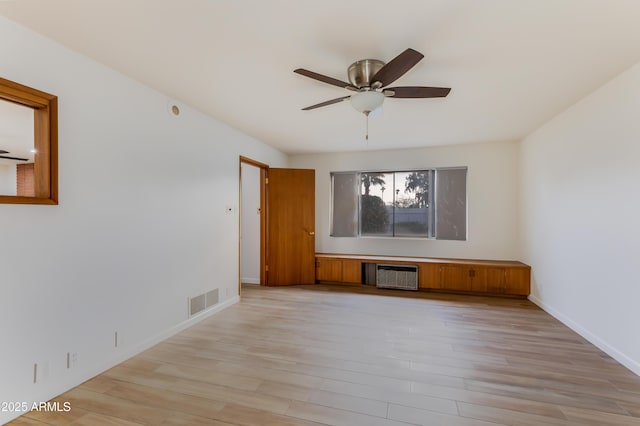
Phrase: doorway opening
[252,250]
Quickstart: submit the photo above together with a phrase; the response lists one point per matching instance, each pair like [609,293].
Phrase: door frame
[263,220]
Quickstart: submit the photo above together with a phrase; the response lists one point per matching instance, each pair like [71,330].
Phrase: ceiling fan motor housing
[361,72]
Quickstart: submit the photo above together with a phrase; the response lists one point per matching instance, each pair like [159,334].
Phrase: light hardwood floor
[347,356]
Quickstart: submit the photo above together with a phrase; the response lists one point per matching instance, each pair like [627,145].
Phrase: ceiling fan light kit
[368,78]
[367,101]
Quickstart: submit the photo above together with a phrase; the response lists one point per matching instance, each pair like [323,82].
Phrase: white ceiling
[511,64]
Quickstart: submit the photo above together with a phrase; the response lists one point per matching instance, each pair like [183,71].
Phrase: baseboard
[623,359]
[135,350]
[250,280]
[180,327]
[64,384]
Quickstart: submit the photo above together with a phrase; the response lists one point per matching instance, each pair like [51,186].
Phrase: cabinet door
[488,280]
[328,269]
[518,281]
[352,271]
[455,277]
[428,275]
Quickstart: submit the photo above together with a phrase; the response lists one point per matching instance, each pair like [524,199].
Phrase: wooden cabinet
[446,275]
[512,278]
[328,269]
[475,278]
[428,275]
[352,271]
[454,277]
[492,280]
[338,270]
[518,281]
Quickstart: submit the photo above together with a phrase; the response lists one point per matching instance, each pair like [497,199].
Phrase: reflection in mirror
[36,161]
[16,149]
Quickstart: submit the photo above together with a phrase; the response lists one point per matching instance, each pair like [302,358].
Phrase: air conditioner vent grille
[403,277]
[203,301]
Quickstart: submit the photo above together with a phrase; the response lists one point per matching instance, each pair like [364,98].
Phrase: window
[415,204]
[28,169]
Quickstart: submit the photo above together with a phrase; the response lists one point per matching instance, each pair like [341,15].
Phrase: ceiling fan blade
[331,102]
[396,68]
[2,151]
[416,92]
[13,158]
[324,78]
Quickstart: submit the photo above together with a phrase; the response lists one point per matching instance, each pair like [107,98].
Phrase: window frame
[432,219]
[45,122]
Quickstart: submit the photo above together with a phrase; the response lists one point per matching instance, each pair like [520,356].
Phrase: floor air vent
[211,298]
[403,277]
[203,301]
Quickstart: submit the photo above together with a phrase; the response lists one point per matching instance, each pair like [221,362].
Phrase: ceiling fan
[369,78]
[2,152]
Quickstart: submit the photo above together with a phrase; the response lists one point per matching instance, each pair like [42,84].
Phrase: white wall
[250,232]
[8,179]
[580,209]
[140,228]
[491,192]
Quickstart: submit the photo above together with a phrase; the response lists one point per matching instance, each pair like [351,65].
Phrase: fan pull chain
[366,135]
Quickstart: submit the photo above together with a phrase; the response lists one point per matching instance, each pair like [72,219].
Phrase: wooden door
[290,227]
